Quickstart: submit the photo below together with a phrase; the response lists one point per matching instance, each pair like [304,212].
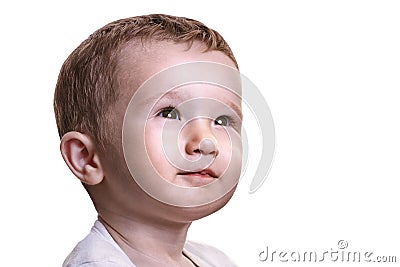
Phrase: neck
[148,241]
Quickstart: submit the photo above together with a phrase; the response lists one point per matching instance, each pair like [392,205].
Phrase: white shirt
[99,249]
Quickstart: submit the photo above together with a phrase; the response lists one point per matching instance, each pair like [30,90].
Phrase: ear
[80,153]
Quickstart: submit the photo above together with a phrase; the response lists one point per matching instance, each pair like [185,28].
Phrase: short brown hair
[85,89]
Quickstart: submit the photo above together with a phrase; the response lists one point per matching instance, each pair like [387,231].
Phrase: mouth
[207,173]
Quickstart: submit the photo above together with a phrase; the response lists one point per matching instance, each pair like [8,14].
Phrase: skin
[200,136]
[151,232]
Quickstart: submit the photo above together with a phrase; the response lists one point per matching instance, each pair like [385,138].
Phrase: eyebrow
[237,109]
[171,95]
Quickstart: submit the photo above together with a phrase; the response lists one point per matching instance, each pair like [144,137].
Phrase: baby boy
[148,110]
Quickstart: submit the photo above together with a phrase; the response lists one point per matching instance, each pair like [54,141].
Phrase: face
[177,140]
[202,118]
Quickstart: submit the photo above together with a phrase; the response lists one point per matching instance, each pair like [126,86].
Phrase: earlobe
[80,154]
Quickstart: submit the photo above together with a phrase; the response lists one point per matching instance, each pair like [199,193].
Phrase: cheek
[153,143]
[154,149]
[224,144]
[230,148]
[153,139]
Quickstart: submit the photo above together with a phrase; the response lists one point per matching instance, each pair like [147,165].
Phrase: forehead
[140,61]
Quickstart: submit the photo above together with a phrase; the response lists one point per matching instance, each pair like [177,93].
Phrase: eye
[169,113]
[222,121]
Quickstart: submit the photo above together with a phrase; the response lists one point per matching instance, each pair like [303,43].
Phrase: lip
[207,173]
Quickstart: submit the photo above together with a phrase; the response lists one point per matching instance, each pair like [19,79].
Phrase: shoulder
[206,255]
[97,250]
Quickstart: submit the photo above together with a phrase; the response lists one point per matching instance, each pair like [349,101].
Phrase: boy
[148,111]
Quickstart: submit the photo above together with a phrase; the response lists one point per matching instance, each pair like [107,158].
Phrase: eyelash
[229,121]
[170,108]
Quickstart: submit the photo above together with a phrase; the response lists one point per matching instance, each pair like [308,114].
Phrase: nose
[199,138]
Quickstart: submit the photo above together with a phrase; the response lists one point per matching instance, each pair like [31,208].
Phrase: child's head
[93,106]
[87,86]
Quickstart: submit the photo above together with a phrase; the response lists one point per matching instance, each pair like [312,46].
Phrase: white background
[329,71]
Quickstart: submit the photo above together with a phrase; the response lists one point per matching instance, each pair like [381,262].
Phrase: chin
[191,214]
